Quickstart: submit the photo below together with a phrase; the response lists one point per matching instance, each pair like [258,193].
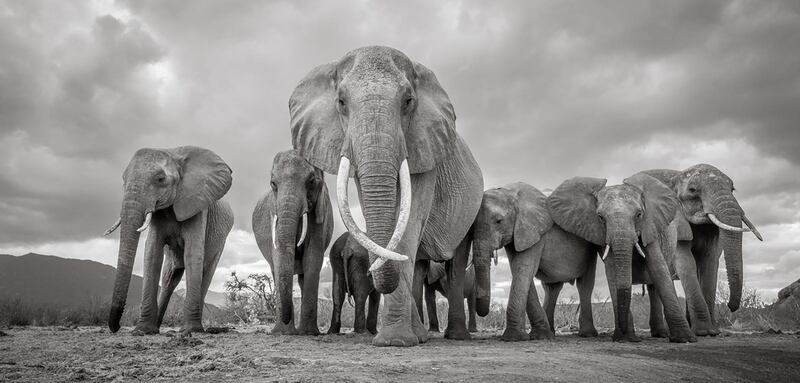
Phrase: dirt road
[93,354]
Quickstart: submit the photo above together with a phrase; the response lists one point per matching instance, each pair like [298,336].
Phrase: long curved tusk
[350,224]
[752,228]
[146,223]
[274,224]
[605,253]
[639,249]
[402,215]
[725,226]
[113,227]
[303,232]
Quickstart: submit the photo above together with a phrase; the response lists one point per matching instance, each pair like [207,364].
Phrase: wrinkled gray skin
[436,280]
[641,211]
[703,189]
[515,217]
[296,188]
[377,107]
[182,188]
[350,263]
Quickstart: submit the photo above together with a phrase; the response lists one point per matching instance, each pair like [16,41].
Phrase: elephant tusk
[352,227]
[113,227]
[752,228]
[495,257]
[605,253]
[274,224]
[725,226]
[304,230]
[146,223]
[639,249]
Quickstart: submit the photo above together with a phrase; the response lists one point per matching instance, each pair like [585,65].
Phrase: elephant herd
[383,119]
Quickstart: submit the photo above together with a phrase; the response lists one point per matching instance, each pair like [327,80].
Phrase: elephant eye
[600,216]
[639,215]
[692,189]
[408,103]
[273,185]
[342,106]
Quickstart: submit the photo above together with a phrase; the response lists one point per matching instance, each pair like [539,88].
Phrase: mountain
[49,280]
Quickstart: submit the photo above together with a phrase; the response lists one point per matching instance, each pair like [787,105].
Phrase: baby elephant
[436,280]
[350,263]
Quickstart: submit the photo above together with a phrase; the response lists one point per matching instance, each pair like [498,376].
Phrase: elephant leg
[697,309]
[310,293]
[585,284]
[173,272]
[281,328]
[619,336]
[456,269]
[430,304]
[359,321]
[679,330]
[420,271]
[540,327]
[473,323]
[338,293]
[372,313]
[521,276]
[194,231]
[707,269]
[551,291]
[658,327]
[153,259]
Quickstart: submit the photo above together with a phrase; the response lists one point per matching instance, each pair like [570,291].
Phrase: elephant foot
[659,333]
[434,328]
[189,329]
[281,328]
[704,329]
[588,333]
[514,335]
[334,330]
[398,335]
[682,335]
[625,337]
[473,328]
[456,332]
[313,331]
[359,330]
[541,334]
[373,330]
[145,329]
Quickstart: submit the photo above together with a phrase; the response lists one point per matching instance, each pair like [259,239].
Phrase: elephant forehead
[377,69]
[288,163]
[496,201]
[706,172]
[619,196]
[146,161]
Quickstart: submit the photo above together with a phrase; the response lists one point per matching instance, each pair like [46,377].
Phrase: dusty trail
[91,353]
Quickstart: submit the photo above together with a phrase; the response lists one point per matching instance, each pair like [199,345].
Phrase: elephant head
[514,215]
[297,191]
[617,217]
[707,201]
[179,182]
[388,117]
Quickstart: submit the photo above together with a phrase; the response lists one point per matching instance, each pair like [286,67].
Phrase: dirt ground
[250,354]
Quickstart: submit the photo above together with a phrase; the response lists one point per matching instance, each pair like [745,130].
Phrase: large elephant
[436,280]
[350,265]
[176,193]
[620,217]
[293,225]
[385,119]
[516,217]
[710,225]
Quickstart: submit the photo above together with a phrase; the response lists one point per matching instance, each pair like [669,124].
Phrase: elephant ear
[533,219]
[660,205]
[435,271]
[431,133]
[573,206]
[205,178]
[317,134]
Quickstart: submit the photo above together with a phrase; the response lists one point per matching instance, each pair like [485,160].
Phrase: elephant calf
[436,280]
[350,263]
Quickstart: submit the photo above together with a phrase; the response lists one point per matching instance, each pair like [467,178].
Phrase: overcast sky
[543,91]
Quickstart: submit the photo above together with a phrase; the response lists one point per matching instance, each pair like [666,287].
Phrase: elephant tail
[347,283]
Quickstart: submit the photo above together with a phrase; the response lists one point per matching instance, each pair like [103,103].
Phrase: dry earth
[250,354]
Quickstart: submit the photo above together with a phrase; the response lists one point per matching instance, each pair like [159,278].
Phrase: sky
[543,91]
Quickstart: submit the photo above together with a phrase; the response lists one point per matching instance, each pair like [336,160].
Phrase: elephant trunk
[284,257]
[131,218]
[622,250]
[483,281]
[728,211]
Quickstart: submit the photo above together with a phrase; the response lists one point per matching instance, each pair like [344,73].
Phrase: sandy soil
[93,354]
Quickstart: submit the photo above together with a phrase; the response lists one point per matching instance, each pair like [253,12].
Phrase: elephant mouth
[383,253]
[608,247]
[303,232]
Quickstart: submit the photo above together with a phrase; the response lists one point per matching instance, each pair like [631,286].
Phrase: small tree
[251,299]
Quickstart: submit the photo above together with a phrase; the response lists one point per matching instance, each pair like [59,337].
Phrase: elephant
[176,193]
[710,224]
[436,280]
[293,225]
[350,263]
[516,217]
[385,119]
[634,222]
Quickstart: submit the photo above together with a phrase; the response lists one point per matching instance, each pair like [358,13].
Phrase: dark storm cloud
[543,91]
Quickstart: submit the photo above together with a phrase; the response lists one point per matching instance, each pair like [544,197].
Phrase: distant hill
[49,280]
